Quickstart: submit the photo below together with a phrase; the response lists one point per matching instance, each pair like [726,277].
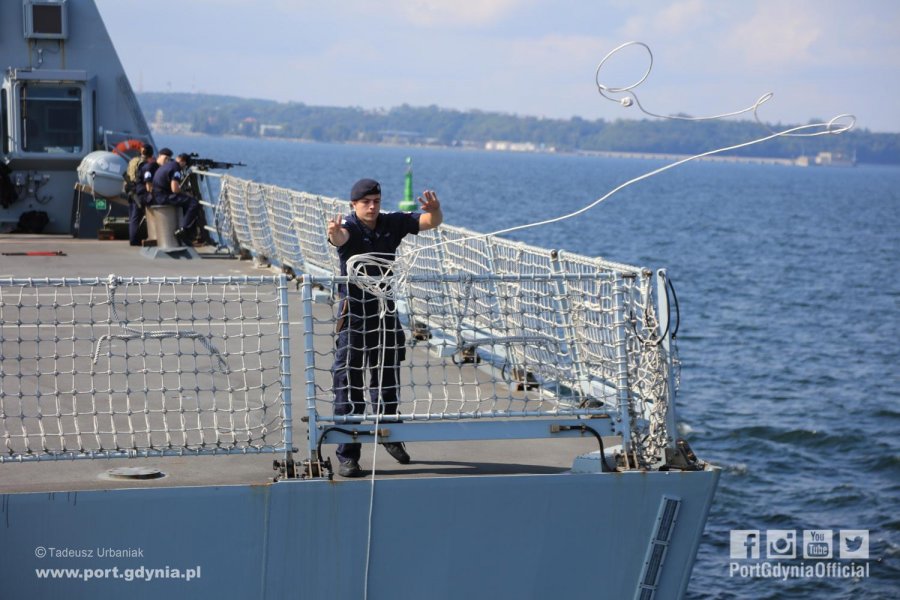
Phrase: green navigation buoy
[408,203]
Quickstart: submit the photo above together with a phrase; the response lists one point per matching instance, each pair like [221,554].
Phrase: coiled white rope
[834,126]
[112,283]
[837,125]
[380,285]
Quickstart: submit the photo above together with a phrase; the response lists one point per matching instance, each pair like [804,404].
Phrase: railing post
[285,348]
[309,352]
[508,326]
[240,215]
[499,299]
[323,240]
[623,392]
[442,268]
[263,231]
[225,209]
[566,328]
[662,300]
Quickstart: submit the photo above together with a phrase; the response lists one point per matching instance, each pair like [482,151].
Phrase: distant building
[395,136]
[827,159]
[504,146]
[160,125]
[273,130]
[249,126]
[835,159]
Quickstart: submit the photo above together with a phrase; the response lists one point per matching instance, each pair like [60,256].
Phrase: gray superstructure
[64,94]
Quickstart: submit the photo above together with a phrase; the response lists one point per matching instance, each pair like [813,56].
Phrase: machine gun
[205,164]
[196,168]
[195,173]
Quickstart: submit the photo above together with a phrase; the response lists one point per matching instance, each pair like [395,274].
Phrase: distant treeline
[219,115]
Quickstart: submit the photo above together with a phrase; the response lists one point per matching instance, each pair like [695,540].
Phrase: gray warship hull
[511,536]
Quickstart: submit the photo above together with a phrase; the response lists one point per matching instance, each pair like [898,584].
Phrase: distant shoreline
[753,160]
[433,126]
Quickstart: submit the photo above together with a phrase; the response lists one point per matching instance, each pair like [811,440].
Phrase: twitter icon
[854,543]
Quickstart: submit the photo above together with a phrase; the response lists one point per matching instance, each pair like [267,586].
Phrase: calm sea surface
[790,317]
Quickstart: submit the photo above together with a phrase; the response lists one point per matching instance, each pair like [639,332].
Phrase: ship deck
[95,258]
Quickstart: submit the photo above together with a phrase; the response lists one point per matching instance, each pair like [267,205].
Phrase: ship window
[51,119]
[48,19]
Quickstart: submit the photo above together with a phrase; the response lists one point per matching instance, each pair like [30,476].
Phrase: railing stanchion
[665,325]
[309,351]
[623,393]
[285,344]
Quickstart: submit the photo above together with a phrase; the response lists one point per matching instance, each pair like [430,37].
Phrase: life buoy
[128,148]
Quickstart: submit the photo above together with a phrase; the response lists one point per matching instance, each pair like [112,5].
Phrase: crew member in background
[144,191]
[167,190]
[134,188]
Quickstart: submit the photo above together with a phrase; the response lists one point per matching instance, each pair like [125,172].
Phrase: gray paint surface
[526,536]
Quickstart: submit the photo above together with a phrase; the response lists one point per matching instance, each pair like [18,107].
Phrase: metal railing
[500,333]
[585,324]
[154,366]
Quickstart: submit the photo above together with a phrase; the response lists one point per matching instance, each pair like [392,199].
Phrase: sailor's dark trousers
[366,342]
[135,216]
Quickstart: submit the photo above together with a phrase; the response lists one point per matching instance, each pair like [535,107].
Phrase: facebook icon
[745,543]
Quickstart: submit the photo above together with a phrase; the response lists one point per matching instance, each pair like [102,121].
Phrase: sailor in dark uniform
[143,186]
[137,194]
[370,339]
[167,190]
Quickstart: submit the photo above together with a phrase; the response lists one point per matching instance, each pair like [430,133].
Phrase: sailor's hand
[430,202]
[431,207]
[337,234]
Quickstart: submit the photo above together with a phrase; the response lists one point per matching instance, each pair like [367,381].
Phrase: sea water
[787,282]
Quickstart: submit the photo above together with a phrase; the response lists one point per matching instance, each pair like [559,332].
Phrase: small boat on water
[144,402]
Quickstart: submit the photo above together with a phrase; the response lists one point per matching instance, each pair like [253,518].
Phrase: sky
[820,58]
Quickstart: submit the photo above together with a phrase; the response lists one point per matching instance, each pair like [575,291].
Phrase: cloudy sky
[820,58]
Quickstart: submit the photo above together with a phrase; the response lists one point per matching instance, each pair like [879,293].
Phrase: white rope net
[492,328]
[141,366]
[461,363]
